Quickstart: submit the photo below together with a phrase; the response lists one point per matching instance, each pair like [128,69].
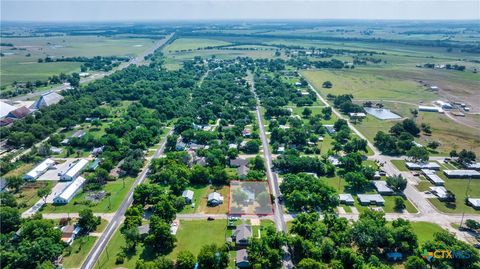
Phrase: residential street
[115,222]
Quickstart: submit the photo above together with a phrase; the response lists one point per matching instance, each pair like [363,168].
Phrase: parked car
[210,218]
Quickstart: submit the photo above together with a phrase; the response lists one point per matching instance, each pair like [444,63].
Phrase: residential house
[419,166]
[382,187]
[462,173]
[188,195]
[5,109]
[214,199]
[242,171]
[474,202]
[368,199]
[440,192]
[241,259]
[242,234]
[238,162]
[346,198]
[69,232]
[78,134]
[433,177]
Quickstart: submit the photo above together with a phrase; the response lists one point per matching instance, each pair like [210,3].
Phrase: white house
[382,187]
[346,198]
[39,169]
[69,191]
[74,170]
[461,173]
[215,199]
[188,195]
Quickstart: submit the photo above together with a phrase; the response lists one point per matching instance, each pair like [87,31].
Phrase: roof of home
[462,173]
[475,166]
[238,162]
[474,201]
[243,232]
[430,165]
[432,176]
[215,196]
[330,129]
[367,198]
[241,256]
[5,109]
[381,186]
[41,168]
[19,113]
[242,170]
[347,197]
[439,191]
[187,194]
[78,133]
[71,189]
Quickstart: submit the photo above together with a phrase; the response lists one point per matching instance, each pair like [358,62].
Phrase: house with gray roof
[368,199]
[241,259]
[188,195]
[461,173]
[214,199]
[382,187]
[238,162]
[474,202]
[47,99]
[242,234]
[432,176]
[346,198]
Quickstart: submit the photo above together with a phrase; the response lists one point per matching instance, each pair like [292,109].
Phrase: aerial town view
[262,134]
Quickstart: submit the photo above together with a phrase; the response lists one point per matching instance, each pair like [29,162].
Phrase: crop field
[22,64]
[185,44]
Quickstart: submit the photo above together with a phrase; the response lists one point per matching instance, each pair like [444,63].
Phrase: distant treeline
[97,63]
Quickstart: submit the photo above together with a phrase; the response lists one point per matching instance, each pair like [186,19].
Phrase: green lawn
[425,230]
[106,205]
[199,191]
[77,252]
[459,188]
[193,234]
[400,164]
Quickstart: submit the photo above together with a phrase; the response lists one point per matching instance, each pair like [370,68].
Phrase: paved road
[272,178]
[426,211]
[139,60]
[113,225]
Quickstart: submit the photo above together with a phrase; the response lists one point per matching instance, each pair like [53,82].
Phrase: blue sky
[148,10]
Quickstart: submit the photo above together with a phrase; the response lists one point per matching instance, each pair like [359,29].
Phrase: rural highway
[113,225]
[139,60]
[272,177]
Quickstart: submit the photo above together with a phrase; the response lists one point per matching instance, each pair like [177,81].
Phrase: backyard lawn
[425,230]
[77,252]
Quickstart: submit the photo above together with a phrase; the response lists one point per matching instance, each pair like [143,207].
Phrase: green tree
[87,221]
[310,264]
[397,182]
[357,181]
[472,224]
[213,257]
[159,236]
[9,219]
[252,147]
[415,262]
[418,154]
[307,112]
[44,192]
[15,182]
[263,199]
[185,260]
[399,204]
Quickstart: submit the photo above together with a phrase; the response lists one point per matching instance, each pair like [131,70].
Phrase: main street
[115,222]
[426,211]
[271,176]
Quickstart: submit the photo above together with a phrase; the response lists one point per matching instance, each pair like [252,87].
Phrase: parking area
[62,166]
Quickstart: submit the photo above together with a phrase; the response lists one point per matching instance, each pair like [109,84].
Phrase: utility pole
[466,197]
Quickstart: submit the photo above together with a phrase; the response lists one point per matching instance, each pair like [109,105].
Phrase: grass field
[425,230]
[19,67]
[106,205]
[193,44]
[459,188]
[77,252]
[400,164]
[202,201]
[189,237]
[368,84]
[27,196]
